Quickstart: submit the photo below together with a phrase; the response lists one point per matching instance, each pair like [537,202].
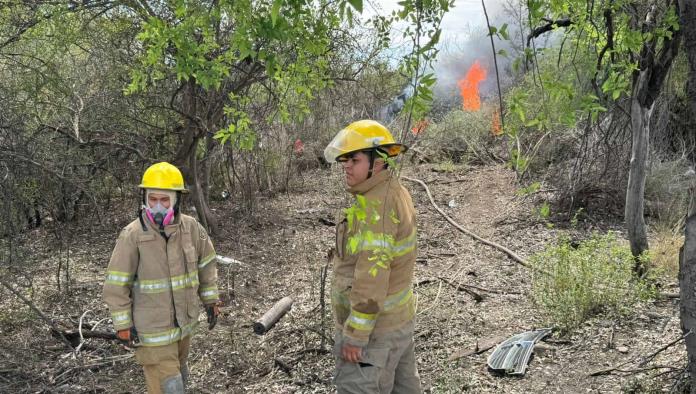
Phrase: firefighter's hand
[212,310]
[351,353]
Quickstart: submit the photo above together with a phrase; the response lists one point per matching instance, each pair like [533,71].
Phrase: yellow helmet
[163,176]
[362,135]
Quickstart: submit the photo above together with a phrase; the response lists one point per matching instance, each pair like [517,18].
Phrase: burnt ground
[282,243]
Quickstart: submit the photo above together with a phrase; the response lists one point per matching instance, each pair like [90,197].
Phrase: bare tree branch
[551,25]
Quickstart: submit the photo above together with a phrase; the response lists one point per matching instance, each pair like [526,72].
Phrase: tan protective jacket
[374,260]
[154,284]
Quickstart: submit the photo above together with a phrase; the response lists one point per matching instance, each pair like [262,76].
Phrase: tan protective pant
[388,365]
[165,367]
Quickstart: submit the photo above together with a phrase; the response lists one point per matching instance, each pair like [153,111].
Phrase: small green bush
[594,277]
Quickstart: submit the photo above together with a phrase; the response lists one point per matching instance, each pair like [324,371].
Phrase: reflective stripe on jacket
[155,285]
[374,260]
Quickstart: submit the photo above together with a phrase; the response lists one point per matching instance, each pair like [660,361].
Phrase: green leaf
[357,4]
[275,10]
[433,41]
[353,243]
[503,31]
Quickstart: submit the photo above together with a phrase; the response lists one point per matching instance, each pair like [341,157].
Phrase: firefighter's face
[162,199]
[357,166]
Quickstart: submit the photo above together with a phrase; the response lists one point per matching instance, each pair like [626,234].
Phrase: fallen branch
[644,360]
[492,244]
[478,348]
[75,336]
[459,287]
[426,281]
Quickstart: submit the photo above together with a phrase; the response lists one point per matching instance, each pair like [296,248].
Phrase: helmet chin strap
[373,157]
[372,163]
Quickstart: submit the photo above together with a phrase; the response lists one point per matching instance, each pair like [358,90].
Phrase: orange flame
[496,130]
[469,87]
[420,126]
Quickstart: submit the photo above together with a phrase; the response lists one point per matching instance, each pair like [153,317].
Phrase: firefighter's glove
[128,337]
[212,310]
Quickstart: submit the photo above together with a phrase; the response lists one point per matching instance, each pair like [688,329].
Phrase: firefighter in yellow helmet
[371,291]
[163,262]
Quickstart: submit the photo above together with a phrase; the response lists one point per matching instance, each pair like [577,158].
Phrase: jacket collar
[364,186]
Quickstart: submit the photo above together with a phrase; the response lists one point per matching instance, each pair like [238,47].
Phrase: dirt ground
[282,243]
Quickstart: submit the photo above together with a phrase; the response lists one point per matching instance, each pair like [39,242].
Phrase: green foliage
[545,106]
[424,18]
[532,188]
[544,210]
[228,48]
[239,132]
[593,72]
[446,165]
[360,217]
[596,277]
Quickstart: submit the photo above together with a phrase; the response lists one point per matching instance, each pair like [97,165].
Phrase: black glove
[212,311]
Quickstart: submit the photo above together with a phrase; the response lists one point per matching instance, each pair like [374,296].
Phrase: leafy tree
[219,58]
[632,46]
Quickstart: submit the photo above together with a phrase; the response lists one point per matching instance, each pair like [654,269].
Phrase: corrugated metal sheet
[513,354]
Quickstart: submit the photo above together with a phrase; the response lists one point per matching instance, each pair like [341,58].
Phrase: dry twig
[501,248]
[644,360]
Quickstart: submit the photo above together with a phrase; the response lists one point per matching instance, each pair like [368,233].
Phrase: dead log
[270,318]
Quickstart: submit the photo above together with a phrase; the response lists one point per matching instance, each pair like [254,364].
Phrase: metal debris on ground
[224,260]
[512,356]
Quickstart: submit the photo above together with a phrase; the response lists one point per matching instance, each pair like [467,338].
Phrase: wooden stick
[477,297]
[271,317]
[644,359]
[478,348]
[501,248]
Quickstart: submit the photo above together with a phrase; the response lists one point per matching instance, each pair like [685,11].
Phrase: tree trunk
[635,201]
[687,290]
[653,66]
[187,161]
[688,29]
[208,165]
[188,165]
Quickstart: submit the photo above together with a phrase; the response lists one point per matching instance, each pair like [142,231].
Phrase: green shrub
[594,277]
